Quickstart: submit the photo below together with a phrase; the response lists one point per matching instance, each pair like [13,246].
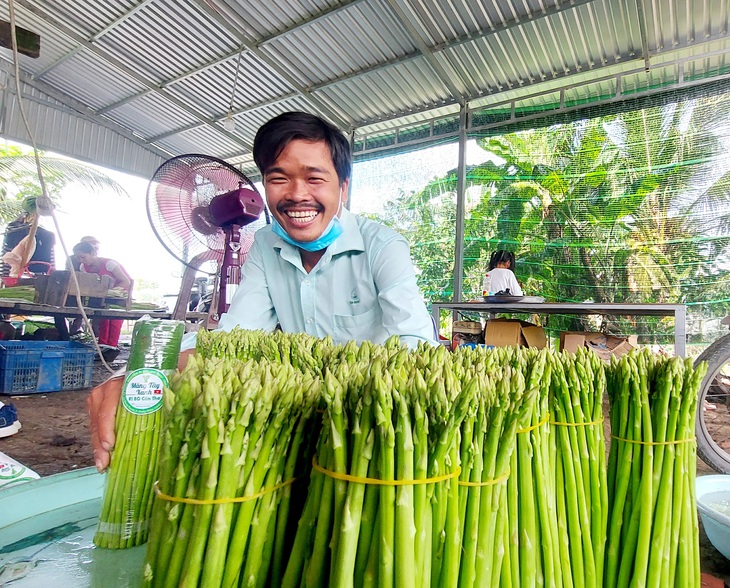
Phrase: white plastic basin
[46,532]
[713,503]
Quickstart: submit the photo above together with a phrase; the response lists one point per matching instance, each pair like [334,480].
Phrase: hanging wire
[44,203]
[229,124]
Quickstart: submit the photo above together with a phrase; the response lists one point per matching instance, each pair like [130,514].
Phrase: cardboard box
[604,345]
[508,332]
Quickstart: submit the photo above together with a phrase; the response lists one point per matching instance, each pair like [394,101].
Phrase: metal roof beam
[79,109]
[642,32]
[309,21]
[413,24]
[246,46]
[301,24]
[557,8]
[618,77]
[238,112]
[316,103]
[95,37]
[545,92]
[56,63]
[506,25]
[304,91]
[113,61]
[115,23]
[612,100]
[171,81]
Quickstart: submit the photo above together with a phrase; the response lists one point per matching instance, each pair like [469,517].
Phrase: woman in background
[500,278]
[91,263]
[73,263]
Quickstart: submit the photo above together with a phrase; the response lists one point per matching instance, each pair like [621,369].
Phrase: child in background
[500,278]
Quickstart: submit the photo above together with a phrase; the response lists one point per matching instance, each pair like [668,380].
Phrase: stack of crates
[29,367]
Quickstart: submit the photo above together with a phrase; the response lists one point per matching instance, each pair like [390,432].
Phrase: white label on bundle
[143,390]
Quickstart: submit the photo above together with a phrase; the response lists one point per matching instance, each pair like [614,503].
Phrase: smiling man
[317,269]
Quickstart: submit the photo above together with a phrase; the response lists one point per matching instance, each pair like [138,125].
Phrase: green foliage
[624,208]
[19,178]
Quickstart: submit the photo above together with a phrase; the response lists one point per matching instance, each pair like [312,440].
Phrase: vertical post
[460,205]
[680,330]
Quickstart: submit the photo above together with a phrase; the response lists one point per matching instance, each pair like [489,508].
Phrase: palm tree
[19,179]
[627,207]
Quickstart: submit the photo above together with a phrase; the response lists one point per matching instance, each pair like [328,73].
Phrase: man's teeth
[302,215]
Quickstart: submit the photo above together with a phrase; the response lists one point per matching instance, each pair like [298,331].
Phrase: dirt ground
[55,438]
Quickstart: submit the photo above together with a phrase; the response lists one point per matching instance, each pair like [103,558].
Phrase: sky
[123,229]
[377,181]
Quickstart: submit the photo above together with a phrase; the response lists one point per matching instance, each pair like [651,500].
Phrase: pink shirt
[106,268]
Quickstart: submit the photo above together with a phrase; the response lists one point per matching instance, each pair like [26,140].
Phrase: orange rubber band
[501,478]
[378,482]
[533,427]
[168,498]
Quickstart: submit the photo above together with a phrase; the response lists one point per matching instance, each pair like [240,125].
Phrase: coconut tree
[19,179]
[627,207]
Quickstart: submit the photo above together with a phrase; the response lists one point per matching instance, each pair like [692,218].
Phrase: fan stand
[229,273]
[230,270]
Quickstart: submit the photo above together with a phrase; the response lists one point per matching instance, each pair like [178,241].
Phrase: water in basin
[718,501]
[48,548]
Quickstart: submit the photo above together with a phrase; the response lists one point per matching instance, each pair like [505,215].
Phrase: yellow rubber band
[377,482]
[501,478]
[653,442]
[598,422]
[533,427]
[169,498]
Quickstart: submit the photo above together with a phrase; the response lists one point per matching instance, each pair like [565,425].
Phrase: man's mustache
[282,208]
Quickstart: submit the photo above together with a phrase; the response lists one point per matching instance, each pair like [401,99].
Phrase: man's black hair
[274,135]
[500,256]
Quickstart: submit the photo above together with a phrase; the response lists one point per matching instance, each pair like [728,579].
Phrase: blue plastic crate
[28,367]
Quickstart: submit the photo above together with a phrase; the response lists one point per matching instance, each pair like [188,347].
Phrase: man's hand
[102,408]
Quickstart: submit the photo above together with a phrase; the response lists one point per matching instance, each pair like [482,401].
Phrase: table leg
[61,327]
[680,331]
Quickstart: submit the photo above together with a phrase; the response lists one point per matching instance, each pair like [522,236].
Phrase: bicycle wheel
[713,407]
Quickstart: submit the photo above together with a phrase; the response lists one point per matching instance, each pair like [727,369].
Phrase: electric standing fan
[205,213]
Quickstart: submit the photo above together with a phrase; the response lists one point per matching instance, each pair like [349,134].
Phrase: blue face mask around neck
[330,234]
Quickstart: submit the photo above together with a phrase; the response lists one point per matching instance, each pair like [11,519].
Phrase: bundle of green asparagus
[300,350]
[488,437]
[530,539]
[382,505]
[128,498]
[652,531]
[231,448]
[577,387]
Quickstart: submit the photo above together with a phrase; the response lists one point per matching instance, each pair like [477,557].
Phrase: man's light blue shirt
[363,288]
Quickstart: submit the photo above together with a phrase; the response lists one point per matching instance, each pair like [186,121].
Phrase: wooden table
[8,306]
[679,311]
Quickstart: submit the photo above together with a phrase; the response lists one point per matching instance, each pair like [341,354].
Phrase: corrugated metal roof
[90,80]
[64,130]
[161,72]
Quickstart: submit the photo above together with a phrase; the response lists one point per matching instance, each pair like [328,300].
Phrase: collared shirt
[363,288]
[499,279]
